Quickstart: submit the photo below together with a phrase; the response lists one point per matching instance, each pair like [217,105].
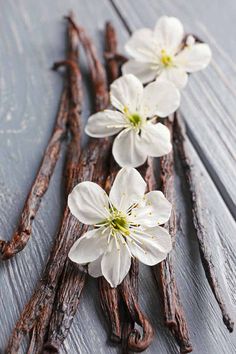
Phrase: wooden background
[31,38]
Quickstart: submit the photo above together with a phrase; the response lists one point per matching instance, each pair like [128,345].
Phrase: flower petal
[94,268]
[156,139]
[141,45]
[151,245]
[89,247]
[128,188]
[176,75]
[143,71]
[105,123]
[161,207]
[127,149]
[160,98]
[88,202]
[126,92]
[155,210]
[194,57]
[116,263]
[169,33]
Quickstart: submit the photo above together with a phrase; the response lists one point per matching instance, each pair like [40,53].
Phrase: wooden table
[31,37]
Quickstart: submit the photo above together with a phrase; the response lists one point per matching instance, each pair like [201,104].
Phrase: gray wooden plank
[208,102]
[31,39]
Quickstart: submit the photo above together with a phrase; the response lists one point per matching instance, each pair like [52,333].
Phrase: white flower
[138,136]
[160,53]
[125,225]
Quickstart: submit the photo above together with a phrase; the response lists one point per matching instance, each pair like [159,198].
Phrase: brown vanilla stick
[109,297]
[173,311]
[96,68]
[39,303]
[114,300]
[136,341]
[131,338]
[21,236]
[202,236]
[75,97]
[72,280]
[112,67]
[128,322]
[40,185]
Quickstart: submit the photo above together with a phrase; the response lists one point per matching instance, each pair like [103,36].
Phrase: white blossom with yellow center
[161,54]
[125,225]
[135,119]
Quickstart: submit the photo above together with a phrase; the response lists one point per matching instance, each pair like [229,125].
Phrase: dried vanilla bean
[136,342]
[39,304]
[75,96]
[70,289]
[109,297]
[113,58]
[128,322]
[173,311]
[72,279]
[107,294]
[9,249]
[96,69]
[206,258]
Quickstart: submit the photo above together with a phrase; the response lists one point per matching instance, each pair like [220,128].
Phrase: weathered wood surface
[31,39]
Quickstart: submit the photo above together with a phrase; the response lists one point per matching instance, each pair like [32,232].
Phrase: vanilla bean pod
[113,58]
[131,339]
[109,297]
[69,228]
[40,185]
[128,322]
[202,236]
[136,342]
[70,290]
[96,69]
[75,97]
[72,279]
[164,272]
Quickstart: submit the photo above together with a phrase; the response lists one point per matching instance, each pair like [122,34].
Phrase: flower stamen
[166,59]
[134,118]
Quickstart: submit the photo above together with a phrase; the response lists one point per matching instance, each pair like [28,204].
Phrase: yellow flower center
[166,59]
[134,118]
[118,223]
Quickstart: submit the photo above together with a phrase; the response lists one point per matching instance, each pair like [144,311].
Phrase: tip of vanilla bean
[229,323]
[50,348]
[115,338]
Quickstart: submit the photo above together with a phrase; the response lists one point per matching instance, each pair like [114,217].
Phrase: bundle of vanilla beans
[49,314]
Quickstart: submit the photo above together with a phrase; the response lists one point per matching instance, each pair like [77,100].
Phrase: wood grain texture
[31,40]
